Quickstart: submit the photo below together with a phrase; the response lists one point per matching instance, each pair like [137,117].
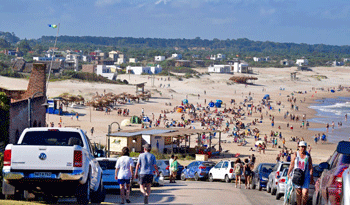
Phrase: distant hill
[241,45]
[9,37]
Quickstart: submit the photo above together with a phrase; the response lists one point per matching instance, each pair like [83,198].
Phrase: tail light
[202,167]
[167,168]
[337,178]
[78,158]
[231,171]
[7,157]
[282,180]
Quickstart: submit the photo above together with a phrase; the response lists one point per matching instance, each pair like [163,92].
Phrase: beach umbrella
[211,104]
[218,105]
[179,110]
[267,96]
[332,91]
[125,122]
[219,101]
[145,119]
[185,101]
[259,142]
[181,107]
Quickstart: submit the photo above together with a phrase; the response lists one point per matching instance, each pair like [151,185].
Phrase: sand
[273,81]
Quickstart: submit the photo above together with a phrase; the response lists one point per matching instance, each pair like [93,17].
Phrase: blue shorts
[123,181]
[306,183]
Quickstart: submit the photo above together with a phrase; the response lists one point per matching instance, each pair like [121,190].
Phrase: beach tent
[266,97]
[145,119]
[218,105]
[332,91]
[219,101]
[185,101]
[125,122]
[211,104]
[135,120]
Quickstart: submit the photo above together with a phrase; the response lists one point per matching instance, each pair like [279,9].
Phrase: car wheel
[253,184]
[268,188]
[196,177]
[227,179]
[273,191]
[83,192]
[100,195]
[259,186]
[211,179]
[183,178]
[278,196]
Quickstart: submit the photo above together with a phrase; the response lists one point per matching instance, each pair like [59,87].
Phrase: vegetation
[91,77]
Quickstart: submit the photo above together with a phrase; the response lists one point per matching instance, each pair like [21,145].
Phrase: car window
[275,168]
[52,138]
[345,159]
[284,166]
[218,165]
[285,171]
[166,162]
[106,164]
[159,163]
[267,167]
[232,164]
[208,164]
[225,165]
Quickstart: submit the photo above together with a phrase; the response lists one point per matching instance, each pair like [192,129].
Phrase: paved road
[192,192]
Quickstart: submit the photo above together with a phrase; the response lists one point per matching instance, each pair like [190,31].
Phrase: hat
[302,144]
[147,146]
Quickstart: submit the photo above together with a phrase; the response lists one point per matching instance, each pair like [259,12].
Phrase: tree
[24,46]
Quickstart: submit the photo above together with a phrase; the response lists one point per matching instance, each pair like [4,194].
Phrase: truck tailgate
[42,157]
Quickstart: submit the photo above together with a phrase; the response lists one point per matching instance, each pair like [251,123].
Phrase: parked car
[164,168]
[345,196]
[223,170]
[108,172]
[197,170]
[281,184]
[261,175]
[330,182]
[274,176]
[316,174]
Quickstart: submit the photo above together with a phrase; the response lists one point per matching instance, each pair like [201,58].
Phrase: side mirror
[323,166]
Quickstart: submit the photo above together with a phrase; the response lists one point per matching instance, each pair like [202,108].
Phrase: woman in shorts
[123,174]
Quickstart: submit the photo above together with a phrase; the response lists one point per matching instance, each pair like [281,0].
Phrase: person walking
[238,172]
[171,172]
[123,174]
[146,163]
[301,167]
[247,170]
[174,168]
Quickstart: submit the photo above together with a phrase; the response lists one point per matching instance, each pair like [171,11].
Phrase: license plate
[42,174]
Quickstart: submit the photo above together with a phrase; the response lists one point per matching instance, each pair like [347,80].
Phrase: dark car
[197,170]
[261,175]
[329,185]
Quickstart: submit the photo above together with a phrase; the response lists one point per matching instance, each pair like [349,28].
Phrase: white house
[219,69]
[72,61]
[105,71]
[138,70]
[132,60]
[120,61]
[257,59]
[113,55]
[301,62]
[241,67]
[159,58]
[176,56]
[220,56]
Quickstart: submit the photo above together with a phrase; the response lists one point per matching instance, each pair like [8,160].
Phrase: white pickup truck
[53,162]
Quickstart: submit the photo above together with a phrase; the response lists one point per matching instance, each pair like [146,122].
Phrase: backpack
[238,169]
[298,177]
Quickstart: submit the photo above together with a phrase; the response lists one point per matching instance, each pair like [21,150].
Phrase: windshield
[208,164]
[267,167]
[52,138]
[107,164]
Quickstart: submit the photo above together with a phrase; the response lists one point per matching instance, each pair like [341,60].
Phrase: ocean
[333,109]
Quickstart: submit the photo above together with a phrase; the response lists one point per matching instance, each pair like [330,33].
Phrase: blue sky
[298,21]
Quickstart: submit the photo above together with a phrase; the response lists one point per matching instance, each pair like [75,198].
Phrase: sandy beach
[273,81]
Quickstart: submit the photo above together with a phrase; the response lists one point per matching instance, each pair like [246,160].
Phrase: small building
[286,62]
[219,69]
[241,67]
[182,63]
[302,62]
[159,58]
[120,61]
[114,55]
[138,70]
[132,60]
[176,56]
[105,71]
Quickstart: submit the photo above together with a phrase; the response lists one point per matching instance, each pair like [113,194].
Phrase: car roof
[52,128]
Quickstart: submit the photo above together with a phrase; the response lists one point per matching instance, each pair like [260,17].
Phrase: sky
[296,21]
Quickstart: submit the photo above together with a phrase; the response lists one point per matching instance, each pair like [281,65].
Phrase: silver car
[281,184]
[345,195]
[273,177]
[163,167]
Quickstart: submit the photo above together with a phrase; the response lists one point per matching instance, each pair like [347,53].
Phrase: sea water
[333,109]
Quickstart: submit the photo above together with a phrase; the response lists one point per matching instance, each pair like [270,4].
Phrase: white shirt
[123,164]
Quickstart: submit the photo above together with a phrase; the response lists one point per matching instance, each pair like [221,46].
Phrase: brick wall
[37,81]
[90,68]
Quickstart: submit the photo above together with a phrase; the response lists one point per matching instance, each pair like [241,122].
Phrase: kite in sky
[52,25]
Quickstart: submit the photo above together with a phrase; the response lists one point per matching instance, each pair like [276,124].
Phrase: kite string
[53,52]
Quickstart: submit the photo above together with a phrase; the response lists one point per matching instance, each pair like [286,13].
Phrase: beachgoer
[238,171]
[92,131]
[247,173]
[302,160]
[123,174]
[146,163]
[171,173]
[77,116]
[174,168]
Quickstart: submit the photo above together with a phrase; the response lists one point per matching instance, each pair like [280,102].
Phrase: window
[52,138]
[107,164]
[225,165]
[218,165]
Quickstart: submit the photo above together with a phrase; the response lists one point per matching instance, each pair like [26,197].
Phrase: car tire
[99,195]
[183,178]
[273,191]
[211,179]
[227,179]
[278,196]
[253,184]
[268,188]
[83,192]
[259,186]
[196,176]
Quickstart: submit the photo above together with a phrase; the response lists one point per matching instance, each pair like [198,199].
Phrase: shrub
[157,154]
[134,154]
